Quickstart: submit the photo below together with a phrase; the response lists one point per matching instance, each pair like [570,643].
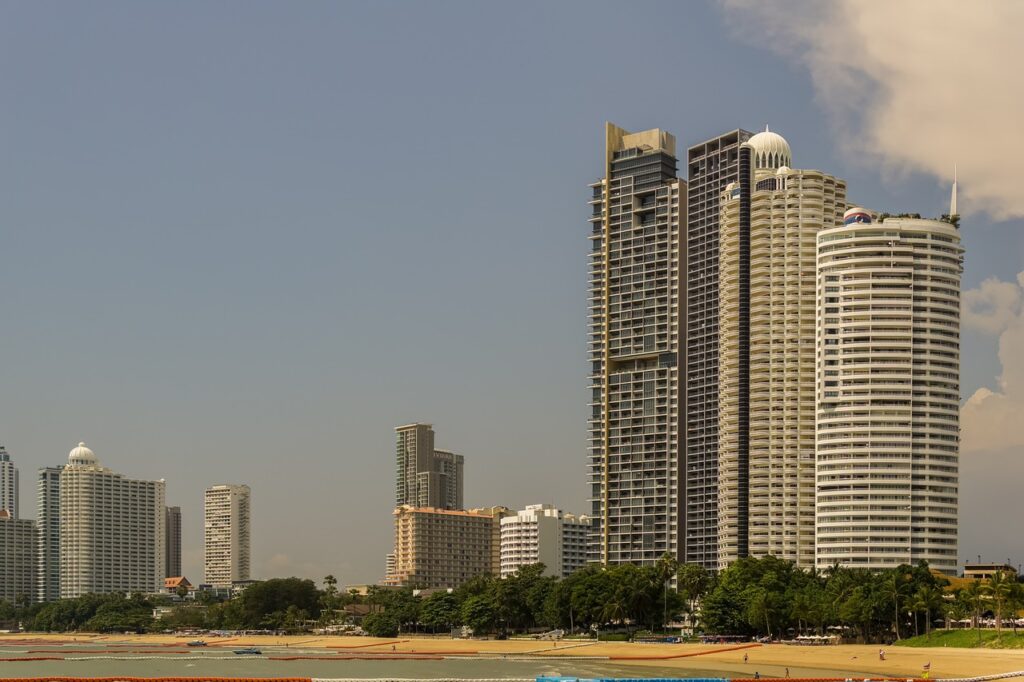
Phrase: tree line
[752,597]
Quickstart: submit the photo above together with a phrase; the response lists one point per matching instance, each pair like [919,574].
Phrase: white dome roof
[770,150]
[82,456]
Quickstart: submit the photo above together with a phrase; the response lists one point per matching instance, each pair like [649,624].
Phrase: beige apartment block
[444,548]
[111,529]
[767,264]
[227,534]
[888,392]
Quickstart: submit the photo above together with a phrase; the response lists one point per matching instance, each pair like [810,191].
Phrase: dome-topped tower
[770,150]
[82,456]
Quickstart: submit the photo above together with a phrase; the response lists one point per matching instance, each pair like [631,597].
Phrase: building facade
[425,476]
[18,568]
[227,534]
[543,534]
[635,346]
[48,530]
[172,555]
[111,529]
[769,222]
[8,484]
[888,391]
[711,165]
[445,548]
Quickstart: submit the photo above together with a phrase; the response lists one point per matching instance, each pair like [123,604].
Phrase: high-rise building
[172,555]
[711,165]
[17,559]
[111,529]
[48,528]
[635,303]
[543,534]
[8,484]
[227,534]
[445,548]
[426,477]
[769,221]
[888,391]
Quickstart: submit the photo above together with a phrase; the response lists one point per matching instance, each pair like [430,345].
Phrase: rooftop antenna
[953,214]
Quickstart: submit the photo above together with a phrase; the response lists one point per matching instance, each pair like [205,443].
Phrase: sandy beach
[768,660]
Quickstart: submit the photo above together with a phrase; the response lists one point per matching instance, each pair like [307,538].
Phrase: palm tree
[895,586]
[928,598]
[974,597]
[1000,590]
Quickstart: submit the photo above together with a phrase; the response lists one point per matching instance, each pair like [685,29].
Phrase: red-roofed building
[173,584]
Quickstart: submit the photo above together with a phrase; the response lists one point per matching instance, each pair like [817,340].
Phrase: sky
[242,241]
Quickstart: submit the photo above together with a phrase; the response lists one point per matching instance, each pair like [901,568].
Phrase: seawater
[221,662]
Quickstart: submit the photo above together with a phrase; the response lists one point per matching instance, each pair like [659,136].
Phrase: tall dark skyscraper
[172,555]
[635,304]
[711,165]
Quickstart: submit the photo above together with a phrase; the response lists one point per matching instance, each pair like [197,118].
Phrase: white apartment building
[888,390]
[769,222]
[8,484]
[48,528]
[227,534]
[17,559]
[543,534]
[111,529]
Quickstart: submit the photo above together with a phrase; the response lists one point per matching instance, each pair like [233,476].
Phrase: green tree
[440,611]
[1000,590]
[381,624]
[928,599]
[480,613]
[693,582]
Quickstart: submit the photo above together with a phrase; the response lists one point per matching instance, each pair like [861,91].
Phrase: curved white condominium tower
[888,389]
[768,225]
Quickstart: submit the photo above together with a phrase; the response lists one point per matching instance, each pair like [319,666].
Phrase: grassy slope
[967,639]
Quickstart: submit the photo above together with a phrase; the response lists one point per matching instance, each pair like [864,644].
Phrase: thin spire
[766,128]
[952,196]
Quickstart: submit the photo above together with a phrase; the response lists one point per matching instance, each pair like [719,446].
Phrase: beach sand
[769,660]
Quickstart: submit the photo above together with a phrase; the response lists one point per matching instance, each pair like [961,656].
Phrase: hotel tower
[769,221]
[111,529]
[888,391]
[635,344]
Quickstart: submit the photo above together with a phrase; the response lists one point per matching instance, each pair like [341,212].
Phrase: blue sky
[243,241]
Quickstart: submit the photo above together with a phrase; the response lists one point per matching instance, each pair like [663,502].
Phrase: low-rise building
[981,571]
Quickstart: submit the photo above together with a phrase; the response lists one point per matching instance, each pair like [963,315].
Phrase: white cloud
[994,305]
[915,86]
[990,419]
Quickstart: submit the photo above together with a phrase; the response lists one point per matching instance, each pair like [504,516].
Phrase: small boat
[251,651]
[196,642]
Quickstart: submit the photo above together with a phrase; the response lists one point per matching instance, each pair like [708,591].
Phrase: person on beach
[881,654]
[787,673]
[744,659]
